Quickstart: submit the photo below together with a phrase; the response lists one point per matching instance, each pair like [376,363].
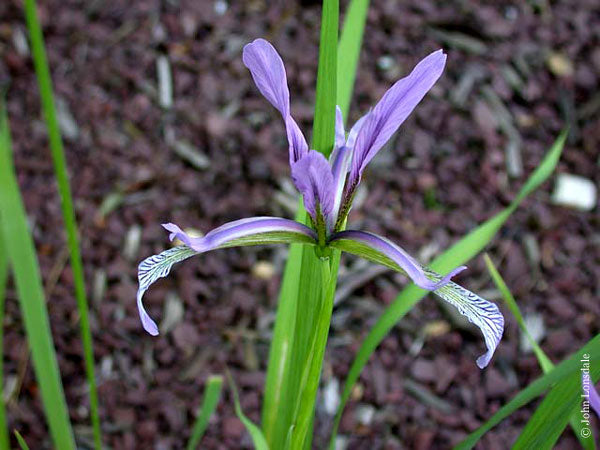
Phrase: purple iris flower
[328,188]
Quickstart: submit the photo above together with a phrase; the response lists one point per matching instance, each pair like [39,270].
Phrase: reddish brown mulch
[442,175]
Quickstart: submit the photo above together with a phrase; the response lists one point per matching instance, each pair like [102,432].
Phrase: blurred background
[162,122]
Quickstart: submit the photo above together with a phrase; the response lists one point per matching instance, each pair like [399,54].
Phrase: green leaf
[456,255]
[324,120]
[22,258]
[4,442]
[258,439]
[44,80]
[212,394]
[547,365]
[563,371]
[349,51]
[550,418]
[301,265]
[21,441]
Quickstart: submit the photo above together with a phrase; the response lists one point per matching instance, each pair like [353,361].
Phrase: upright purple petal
[384,251]
[340,133]
[352,135]
[313,178]
[268,72]
[393,108]
[253,231]
[339,168]
[297,143]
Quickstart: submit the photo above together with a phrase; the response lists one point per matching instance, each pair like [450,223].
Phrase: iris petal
[393,108]
[252,231]
[268,72]
[384,251]
[340,133]
[313,178]
[478,311]
[485,315]
[592,396]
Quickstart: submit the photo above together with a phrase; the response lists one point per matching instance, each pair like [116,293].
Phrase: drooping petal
[485,315]
[478,311]
[383,251]
[150,270]
[313,178]
[253,231]
[268,72]
[393,108]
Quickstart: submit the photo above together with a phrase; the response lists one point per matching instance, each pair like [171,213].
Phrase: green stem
[60,170]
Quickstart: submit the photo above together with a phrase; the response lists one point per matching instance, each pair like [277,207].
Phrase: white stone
[331,396]
[364,414]
[165,83]
[575,191]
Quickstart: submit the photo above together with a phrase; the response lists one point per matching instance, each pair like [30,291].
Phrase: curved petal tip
[147,322]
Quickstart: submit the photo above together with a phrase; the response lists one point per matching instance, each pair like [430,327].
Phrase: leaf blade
[212,394]
[25,268]
[60,172]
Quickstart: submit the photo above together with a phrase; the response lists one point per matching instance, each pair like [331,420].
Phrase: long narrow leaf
[300,265]
[550,418]
[510,301]
[26,273]
[212,394]
[42,70]
[565,369]
[21,441]
[587,441]
[4,445]
[258,438]
[349,51]
[458,254]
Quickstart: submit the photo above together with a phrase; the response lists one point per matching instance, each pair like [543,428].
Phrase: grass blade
[550,418]
[547,365]
[212,394]
[258,438]
[456,255]
[4,445]
[300,265]
[510,301]
[22,257]
[568,368]
[60,171]
[21,441]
